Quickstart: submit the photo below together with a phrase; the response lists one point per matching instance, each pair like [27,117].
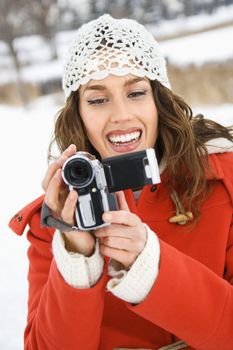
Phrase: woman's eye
[136,94]
[97,101]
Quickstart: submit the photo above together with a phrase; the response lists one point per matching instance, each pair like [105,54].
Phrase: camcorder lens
[78,172]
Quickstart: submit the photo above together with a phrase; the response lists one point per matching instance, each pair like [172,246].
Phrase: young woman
[160,275]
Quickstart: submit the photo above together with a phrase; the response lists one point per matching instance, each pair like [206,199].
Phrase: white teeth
[133,136]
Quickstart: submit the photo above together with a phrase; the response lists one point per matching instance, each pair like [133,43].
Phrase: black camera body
[96,182]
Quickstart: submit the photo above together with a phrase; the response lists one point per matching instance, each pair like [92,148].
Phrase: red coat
[192,298]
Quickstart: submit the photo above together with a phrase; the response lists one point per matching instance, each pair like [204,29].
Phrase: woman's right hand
[62,202]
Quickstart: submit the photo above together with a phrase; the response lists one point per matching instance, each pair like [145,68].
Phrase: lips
[124,140]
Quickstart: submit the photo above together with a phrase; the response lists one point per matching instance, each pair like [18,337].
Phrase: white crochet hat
[112,46]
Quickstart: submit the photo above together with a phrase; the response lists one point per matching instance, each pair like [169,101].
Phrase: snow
[192,23]
[32,74]
[222,114]
[24,137]
[35,45]
[200,48]
[196,49]
[210,46]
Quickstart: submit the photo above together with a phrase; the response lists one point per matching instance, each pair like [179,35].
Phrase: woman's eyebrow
[134,81]
[97,87]
[102,87]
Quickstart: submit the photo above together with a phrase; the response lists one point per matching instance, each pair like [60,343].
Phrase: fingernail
[72,146]
[107,217]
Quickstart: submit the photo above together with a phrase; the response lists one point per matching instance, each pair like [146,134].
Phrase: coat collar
[219,145]
[20,220]
[215,146]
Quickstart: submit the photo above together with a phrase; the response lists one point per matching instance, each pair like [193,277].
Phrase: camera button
[153,188]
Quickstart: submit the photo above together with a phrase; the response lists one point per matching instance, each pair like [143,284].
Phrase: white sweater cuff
[133,286]
[77,270]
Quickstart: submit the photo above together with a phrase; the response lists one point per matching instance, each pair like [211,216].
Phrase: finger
[118,243]
[123,237]
[51,171]
[56,165]
[72,149]
[124,244]
[52,194]
[68,210]
[122,201]
[114,230]
[121,217]
[120,255]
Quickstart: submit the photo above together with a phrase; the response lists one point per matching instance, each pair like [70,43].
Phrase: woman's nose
[120,112]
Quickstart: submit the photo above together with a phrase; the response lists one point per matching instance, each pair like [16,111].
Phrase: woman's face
[119,114]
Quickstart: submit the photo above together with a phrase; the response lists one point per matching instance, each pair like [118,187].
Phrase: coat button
[153,188]
[19,218]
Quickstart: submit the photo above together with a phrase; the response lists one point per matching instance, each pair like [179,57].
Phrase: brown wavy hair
[180,143]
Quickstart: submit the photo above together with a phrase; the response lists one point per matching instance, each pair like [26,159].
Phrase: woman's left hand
[125,238]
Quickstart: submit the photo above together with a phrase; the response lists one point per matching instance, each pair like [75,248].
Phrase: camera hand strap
[47,219]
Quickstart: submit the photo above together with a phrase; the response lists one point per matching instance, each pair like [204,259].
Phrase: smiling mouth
[125,139]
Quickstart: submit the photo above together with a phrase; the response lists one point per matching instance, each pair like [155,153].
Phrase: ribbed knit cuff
[77,270]
[133,286]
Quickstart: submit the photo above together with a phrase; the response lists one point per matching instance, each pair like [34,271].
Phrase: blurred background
[196,37]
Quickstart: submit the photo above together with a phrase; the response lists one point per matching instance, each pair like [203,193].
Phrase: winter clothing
[132,286]
[191,298]
[107,46]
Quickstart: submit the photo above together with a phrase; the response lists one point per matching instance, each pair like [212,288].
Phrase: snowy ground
[24,136]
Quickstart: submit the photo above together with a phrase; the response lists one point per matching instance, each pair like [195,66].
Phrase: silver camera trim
[151,166]
[85,204]
[85,210]
[85,156]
